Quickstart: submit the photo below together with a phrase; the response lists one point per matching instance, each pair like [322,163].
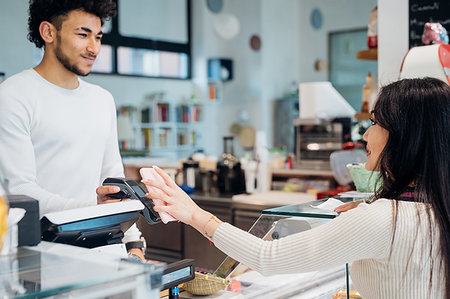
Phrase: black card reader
[130,189]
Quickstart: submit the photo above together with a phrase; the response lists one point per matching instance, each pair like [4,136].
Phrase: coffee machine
[230,176]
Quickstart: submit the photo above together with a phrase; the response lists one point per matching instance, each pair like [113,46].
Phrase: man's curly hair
[56,11]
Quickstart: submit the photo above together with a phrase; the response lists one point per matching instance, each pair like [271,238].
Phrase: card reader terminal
[130,189]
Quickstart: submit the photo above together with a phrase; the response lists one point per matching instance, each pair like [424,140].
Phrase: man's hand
[138,252]
[102,194]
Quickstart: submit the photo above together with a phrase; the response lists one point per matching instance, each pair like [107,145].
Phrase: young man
[58,133]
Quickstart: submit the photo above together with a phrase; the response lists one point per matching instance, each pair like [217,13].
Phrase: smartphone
[150,173]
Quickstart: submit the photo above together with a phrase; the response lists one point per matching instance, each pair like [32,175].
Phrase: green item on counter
[365,181]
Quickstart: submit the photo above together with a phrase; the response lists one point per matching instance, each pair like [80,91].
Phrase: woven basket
[205,284]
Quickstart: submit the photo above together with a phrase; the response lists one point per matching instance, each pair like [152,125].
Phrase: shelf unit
[163,128]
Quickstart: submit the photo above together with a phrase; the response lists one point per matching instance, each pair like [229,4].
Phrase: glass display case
[279,222]
[41,271]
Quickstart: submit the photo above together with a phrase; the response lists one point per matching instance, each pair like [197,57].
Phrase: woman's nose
[366,135]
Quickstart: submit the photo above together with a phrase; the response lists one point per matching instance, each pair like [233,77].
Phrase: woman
[399,244]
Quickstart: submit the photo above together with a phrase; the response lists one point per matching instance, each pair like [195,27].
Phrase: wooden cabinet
[197,247]
[164,241]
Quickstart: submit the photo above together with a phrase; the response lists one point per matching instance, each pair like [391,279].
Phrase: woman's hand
[348,206]
[178,203]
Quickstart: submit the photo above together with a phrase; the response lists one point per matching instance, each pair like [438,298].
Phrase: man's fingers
[105,190]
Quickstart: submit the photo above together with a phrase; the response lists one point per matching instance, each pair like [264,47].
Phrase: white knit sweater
[57,145]
[363,237]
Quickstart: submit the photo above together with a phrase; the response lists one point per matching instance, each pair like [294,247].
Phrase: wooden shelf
[369,54]
[362,115]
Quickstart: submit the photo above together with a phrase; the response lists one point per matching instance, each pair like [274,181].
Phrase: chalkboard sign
[422,11]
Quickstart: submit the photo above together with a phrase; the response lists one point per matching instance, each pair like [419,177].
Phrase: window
[148,38]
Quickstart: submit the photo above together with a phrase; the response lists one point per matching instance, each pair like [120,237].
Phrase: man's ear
[48,32]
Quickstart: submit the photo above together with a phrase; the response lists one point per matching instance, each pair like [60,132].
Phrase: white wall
[280,56]
[393,38]
[244,91]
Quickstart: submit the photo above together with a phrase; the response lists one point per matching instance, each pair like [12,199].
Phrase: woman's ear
[48,32]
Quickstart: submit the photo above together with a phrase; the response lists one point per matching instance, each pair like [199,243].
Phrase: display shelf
[163,127]
[369,54]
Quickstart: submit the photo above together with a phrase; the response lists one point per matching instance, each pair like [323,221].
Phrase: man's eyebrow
[90,31]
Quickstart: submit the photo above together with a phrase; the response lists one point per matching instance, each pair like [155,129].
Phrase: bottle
[372,30]
[368,94]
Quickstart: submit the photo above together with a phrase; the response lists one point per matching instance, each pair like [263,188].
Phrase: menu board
[422,11]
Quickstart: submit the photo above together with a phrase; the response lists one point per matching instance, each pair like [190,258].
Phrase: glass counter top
[34,272]
[305,210]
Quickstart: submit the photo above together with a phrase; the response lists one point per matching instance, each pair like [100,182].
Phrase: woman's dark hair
[55,12]
[416,113]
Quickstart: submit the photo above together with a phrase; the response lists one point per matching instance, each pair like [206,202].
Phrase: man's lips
[89,58]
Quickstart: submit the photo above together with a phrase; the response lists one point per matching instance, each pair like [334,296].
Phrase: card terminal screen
[176,275]
[137,189]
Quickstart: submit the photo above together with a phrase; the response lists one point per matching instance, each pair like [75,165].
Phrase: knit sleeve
[362,233]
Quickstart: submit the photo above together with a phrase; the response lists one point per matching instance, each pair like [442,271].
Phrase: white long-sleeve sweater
[57,145]
[363,237]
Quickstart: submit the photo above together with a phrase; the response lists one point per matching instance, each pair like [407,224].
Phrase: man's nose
[94,46]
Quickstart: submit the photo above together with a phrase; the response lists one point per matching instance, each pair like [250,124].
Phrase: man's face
[78,42]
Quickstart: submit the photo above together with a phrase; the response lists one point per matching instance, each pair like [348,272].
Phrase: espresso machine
[230,175]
